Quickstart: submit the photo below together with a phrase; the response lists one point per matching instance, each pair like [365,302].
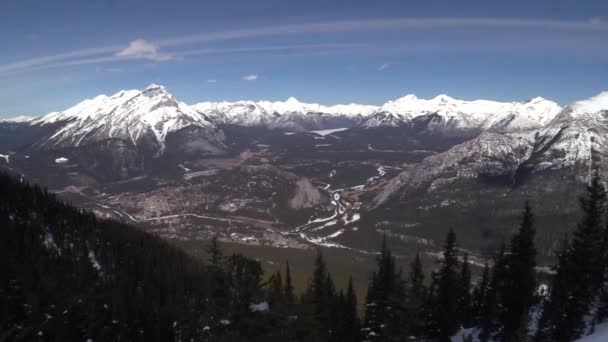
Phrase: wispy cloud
[251,77]
[384,67]
[151,49]
[141,48]
[211,81]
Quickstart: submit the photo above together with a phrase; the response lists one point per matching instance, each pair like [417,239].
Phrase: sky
[54,54]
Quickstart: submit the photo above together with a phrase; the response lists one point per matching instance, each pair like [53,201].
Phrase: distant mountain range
[404,166]
[155,111]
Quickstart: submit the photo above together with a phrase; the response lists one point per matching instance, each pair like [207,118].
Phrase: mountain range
[404,167]
[156,112]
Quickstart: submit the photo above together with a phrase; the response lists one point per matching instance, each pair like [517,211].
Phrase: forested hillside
[67,276]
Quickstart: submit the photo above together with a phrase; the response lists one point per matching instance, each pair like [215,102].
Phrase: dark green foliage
[479,296]
[579,272]
[70,276]
[385,309]
[488,320]
[464,299]
[445,318]
[348,323]
[518,293]
[289,294]
[416,299]
[67,276]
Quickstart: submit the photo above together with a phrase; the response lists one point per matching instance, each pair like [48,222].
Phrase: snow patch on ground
[61,160]
[5,156]
[259,307]
[49,243]
[463,334]
[324,132]
[94,261]
[355,217]
[599,335]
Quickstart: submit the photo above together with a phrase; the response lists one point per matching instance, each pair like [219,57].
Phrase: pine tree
[479,295]
[215,252]
[276,293]
[289,294]
[416,298]
[492,304]
[518,295]
[445,310]
[464,301]
[557,296]
[385,309]
[321,297]
[579,272]
[349,319]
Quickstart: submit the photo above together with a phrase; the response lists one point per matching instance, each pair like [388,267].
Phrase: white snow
[355,217]
[49,243]
[281,114]
[94,261]
[482,114]
[128,114]
[18,119]
[593,104]
[61,160]
[600,334]
[465,333]
[262,306]
[325,132]
[5,156]
[225,322]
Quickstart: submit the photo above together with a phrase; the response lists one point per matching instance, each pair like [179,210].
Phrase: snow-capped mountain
[571,141]
[465,115]
[129,115]
[291,114]
[18,119]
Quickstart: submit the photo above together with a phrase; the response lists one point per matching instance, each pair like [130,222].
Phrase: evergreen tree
[289,294]
[416,298]
[218,283]
[464,300]
[350,320]
[445,314]
[320,296]
[215,252]
[479,295]
[492,304]
[276,293]
[385,309]
[518,295]
[579,272]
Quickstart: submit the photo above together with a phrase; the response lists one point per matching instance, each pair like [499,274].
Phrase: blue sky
[56,53]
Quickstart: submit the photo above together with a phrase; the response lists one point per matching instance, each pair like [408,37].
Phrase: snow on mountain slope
[490,153]
[460,114]
[290,114]
[574,138]
[18,119]
[588,110]
[130,115]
